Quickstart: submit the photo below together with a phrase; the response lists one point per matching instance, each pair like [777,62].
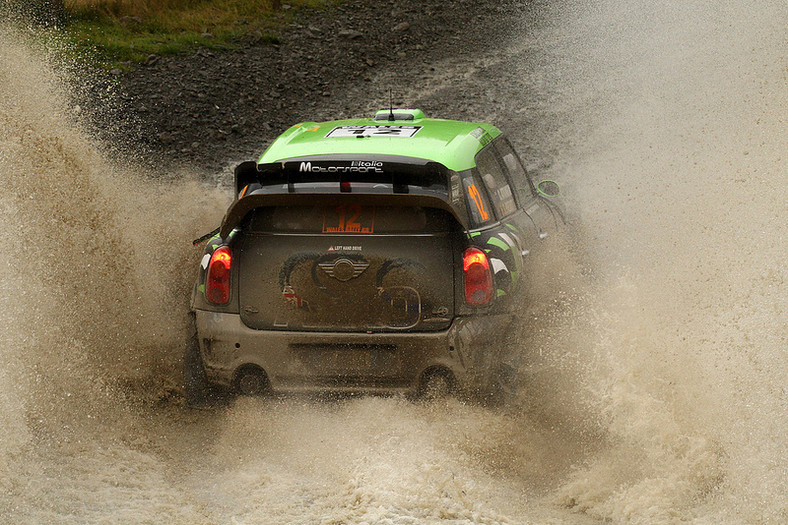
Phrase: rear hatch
[348,267]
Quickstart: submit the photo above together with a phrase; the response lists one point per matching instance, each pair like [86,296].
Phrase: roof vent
[399,114]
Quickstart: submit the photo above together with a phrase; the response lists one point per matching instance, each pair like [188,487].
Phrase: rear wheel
[196,384]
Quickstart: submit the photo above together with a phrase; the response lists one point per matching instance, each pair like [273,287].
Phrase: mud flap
[483,346]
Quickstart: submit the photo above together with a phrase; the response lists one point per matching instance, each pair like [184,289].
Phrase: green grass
[105,30]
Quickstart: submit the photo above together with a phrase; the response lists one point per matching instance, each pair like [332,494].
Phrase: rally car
[373,255]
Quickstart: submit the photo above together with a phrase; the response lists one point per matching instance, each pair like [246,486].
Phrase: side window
[517,173]
[495,181]
[478,204]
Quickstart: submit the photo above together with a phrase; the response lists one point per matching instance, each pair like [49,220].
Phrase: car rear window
[348,219]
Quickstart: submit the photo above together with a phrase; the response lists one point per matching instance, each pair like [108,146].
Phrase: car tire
[195,382]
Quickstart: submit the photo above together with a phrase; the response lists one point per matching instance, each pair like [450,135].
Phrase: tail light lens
[478,279]
[217,289]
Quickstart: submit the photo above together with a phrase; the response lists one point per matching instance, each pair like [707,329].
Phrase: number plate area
[343,360]
[349,219]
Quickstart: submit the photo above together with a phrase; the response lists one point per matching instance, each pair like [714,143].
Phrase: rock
[165,138]
[350,34]
[404,26]
[116,71]
[206,35]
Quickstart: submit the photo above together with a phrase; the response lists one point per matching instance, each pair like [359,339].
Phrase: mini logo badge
[344,269]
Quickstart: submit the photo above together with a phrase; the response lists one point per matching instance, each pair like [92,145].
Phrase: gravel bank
[213,108]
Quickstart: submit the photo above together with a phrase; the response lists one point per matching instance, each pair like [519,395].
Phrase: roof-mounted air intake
[399,114]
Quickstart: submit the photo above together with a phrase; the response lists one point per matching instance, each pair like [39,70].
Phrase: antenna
[391,107]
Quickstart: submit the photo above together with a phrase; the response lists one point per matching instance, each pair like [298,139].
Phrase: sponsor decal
[456,191]
[356,166]
[374,131]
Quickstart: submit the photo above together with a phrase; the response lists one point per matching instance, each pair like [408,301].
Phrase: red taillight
[217,289]
[478,279]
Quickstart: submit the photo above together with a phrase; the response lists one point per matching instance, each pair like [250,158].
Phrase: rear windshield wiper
[195,242]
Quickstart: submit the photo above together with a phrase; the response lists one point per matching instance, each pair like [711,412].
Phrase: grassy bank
[121,32]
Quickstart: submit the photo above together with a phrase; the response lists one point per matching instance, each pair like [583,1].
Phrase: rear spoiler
[245,173]
[398,181]
[396,171]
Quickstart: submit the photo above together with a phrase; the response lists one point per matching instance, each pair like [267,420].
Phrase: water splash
[680,183]
[654,374]
[92,316]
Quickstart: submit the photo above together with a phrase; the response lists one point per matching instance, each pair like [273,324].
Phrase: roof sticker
[374,131]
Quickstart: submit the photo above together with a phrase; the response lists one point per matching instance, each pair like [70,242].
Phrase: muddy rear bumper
[350,362]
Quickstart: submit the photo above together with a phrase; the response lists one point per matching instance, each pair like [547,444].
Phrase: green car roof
[452,143]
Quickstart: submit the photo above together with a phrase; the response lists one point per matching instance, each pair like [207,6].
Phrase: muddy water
[654,369]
